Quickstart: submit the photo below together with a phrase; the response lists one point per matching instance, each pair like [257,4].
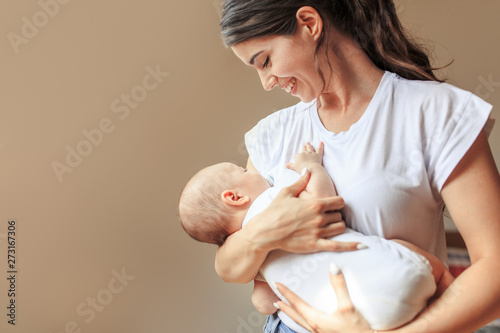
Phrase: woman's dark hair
[374,24]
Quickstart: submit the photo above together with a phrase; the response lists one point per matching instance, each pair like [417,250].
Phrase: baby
[390,282]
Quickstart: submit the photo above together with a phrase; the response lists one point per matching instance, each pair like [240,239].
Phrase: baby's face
[250,183]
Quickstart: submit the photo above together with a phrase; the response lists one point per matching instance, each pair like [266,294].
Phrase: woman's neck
[354,78]
[350,87]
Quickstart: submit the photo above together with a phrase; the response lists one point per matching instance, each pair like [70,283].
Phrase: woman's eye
[265,63]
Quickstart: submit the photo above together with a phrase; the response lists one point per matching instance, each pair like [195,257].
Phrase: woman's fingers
[297,187]
[337,280]
[290,311]
[331,229]
[334,229]
[334,246]
[333,216]
[298,309]
[332,204]
[345,319]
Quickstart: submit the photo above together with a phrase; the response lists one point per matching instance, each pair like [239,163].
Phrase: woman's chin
[305,99]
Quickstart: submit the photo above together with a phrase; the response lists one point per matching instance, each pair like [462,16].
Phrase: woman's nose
[268,80]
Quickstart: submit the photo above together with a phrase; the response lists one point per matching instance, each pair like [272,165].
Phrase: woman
[399,145]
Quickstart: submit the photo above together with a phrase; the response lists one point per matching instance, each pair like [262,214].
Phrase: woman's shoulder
[288,114]
[428,91]
[432,102]
[267,140]
[283,121]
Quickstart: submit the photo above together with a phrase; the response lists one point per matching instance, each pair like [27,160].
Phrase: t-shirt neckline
[370,110]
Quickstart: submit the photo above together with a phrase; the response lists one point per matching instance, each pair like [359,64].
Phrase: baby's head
[214,202]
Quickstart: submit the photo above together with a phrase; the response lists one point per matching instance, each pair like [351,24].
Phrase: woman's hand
[301,226]
[289,223]
[345,319]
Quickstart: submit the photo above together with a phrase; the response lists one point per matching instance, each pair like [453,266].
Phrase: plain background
[116,210]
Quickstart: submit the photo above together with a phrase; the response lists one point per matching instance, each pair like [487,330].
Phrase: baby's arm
[263,297]
[320,184]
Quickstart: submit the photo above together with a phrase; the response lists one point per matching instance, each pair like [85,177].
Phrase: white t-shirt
[390,166]
[387,283]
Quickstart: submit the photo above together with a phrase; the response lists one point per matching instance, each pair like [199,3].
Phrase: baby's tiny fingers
[310,147]
[321,148]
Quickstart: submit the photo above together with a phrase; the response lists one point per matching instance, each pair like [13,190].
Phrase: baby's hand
[307,157]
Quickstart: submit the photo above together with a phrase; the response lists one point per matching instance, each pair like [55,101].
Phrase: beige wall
[116,209]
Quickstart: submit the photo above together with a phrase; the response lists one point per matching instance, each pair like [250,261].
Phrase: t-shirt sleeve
[263,143]
[462,125]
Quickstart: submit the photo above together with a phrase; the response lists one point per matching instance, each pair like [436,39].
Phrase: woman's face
[287,62]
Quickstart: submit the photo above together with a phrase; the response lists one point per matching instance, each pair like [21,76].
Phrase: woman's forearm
[470,302]
[239,259]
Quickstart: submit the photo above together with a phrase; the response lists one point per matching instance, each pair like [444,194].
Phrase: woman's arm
[472,195]
[290,224]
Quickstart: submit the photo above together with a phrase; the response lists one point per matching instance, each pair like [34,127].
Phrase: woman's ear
[232,198]
[309,18]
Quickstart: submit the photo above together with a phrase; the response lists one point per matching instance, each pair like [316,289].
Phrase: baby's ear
[232,198]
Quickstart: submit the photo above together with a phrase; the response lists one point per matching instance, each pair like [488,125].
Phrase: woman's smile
[290,85]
